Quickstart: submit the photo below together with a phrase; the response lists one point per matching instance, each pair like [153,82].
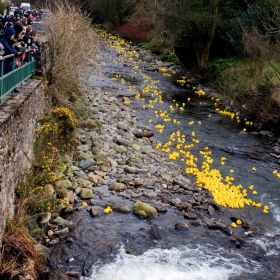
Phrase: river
[201,254]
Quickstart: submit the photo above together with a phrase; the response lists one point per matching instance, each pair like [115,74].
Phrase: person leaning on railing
[7,41]
[19,45]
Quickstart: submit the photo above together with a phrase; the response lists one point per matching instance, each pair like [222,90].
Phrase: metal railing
[14,78]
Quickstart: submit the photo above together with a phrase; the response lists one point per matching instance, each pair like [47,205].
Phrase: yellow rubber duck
[239,222]
[106,211]
[84,204]
[233,225]
[254,168]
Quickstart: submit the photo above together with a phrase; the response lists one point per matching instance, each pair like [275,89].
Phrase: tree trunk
[202,54]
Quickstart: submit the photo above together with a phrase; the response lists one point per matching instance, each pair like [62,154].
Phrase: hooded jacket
[7,44]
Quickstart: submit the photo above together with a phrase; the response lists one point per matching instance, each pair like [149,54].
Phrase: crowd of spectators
[18,38]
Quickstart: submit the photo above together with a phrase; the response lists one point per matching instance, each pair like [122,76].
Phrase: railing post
[13,63]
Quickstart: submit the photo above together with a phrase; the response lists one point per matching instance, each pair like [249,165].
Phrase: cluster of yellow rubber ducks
[199,92]
[223,190]
[234,224]
[126,102]
[107,210]
[277,174]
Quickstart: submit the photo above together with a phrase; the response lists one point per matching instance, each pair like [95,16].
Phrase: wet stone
[122,209]
[181,226]
[96,211]
[196,223]
[211,210]
[190,216]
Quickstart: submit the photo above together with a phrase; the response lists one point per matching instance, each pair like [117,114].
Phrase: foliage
[19,258]
[71,43]
[55,137]
[113,11]
[170,57]
[56,134]
[159,45]
[4,7]
[259,93]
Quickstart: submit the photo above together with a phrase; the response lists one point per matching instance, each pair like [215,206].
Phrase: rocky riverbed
[118,188]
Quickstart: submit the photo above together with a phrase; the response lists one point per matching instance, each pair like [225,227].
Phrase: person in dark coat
[7,41]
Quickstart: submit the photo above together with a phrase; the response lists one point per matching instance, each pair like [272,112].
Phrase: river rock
[123,126]
[83,148]
[101,251]
[100,173]
[147,149]
[94,179]
[136,146]
[162,208]
[84,156]
[121,149]
[63,184]
[84,183]
[135,170]
[175,201]
[157,233]
[138,182]
[96,211]
[80,174]
[68,210]
[63,222]
[181,226]
[144,210]
[134,160]
[101,160]
[120,141]
[190,216]
[70,196]
[122,209]
[144,133]
[185,206]
[86,193]
[149,181]
[166,177]
[85,164]
[196,223]
[211,210]
[117,187]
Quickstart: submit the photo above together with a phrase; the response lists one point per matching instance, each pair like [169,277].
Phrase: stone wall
[19,116]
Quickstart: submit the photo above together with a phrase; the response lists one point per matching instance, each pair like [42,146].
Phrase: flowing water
[200,254]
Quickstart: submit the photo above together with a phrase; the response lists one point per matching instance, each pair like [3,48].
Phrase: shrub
[71,44]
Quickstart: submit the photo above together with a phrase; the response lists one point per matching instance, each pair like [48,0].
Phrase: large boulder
[144,210]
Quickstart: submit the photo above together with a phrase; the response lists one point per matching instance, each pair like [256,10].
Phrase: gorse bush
[54,138]
[56,134]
